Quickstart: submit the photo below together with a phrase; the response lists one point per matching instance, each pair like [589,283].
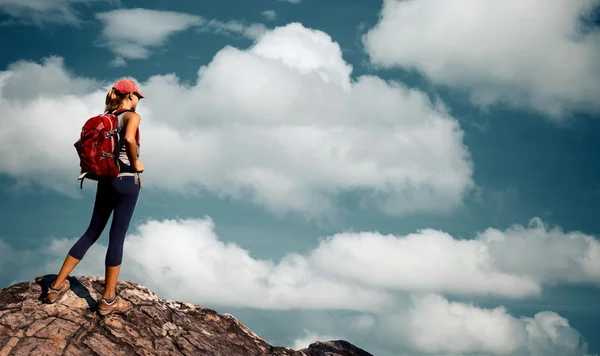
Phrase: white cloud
[306,51]
[526,250]
[468,44]
[118,62]
[133,33]
[30,83]
[43,12]
[193,265]
[425,261]
[280,124]
[432,325]
[269,14]
[512,263]
[194,257]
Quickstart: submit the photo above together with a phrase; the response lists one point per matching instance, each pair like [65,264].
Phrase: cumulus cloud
[432,325]
[280,124]
[185,260]
[43,12]
[525,249]
[133,33]
[221,268]
[52,82]
[512,263]
[426,261]
[524,54]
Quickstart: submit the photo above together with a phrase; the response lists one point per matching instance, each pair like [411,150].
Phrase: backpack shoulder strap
[120,111]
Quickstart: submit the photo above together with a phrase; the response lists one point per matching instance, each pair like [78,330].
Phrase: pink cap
[125,86]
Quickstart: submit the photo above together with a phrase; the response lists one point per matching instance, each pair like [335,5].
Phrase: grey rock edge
[154,326]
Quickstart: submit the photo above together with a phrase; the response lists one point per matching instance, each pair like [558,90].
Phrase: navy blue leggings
[119,195]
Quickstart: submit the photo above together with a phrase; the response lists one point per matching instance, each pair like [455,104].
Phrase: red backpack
[99,148]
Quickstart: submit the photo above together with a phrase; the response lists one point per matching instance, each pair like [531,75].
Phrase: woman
[119,195]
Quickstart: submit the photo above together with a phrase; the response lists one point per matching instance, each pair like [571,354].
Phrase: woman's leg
[128,192]
[68,266]
[103,206]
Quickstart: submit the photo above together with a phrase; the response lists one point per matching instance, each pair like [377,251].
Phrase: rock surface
[154,326]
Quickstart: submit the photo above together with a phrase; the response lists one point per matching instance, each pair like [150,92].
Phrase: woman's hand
[138,166]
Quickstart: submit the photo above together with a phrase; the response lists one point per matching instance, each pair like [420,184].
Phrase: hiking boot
[119,305]
[53,295]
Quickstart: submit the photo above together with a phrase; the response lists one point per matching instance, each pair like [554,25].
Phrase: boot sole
[113,312]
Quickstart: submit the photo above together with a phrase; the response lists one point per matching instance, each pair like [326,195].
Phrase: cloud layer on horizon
[366,268]
[394,306]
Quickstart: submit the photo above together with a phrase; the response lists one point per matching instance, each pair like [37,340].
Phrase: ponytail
[114,100]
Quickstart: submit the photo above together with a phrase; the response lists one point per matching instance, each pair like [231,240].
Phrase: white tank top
[123,158]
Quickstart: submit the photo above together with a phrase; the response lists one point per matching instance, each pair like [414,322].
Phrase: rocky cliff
[154,326]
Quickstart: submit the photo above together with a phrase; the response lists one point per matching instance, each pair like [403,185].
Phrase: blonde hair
[114,100]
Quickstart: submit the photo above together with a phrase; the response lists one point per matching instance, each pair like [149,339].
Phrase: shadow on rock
[76,287]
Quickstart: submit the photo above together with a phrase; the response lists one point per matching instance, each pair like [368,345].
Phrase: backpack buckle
[81,178]
[108,134]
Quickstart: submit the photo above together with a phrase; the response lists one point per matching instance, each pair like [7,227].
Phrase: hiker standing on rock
[118,187]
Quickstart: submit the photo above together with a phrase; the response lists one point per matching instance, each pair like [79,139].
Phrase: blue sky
[388,173]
